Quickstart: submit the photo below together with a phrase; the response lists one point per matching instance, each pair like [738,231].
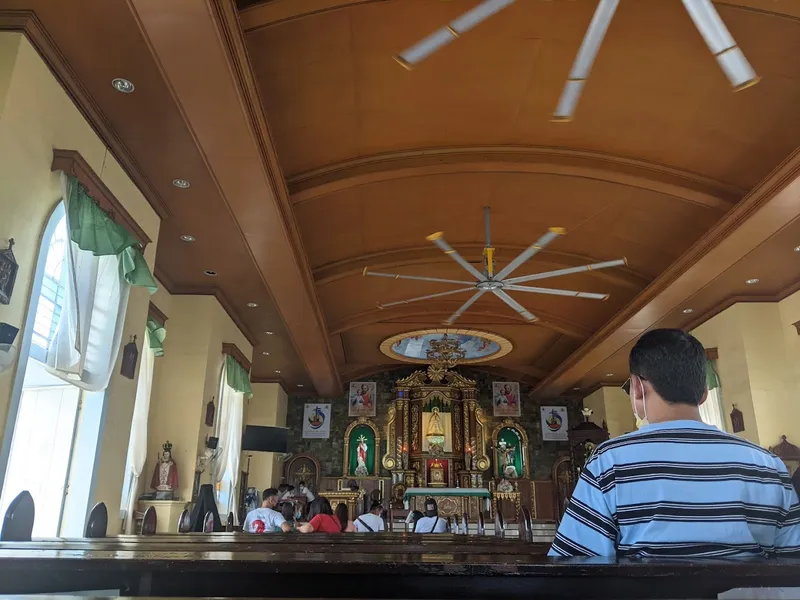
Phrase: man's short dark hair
[268,493]
[376,506]
[674,362]
[431,508]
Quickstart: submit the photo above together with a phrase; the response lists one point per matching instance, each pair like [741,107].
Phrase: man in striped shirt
[678,487]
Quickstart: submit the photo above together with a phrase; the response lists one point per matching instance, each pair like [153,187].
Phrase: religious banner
[505,399]
[554,423]
[317,421]
[362,398]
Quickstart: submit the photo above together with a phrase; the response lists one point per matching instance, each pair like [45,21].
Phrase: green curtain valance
[712,380]
[236,377]
[156,334]
[94,231]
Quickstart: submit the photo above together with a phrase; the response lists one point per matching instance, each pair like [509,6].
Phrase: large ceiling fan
[705,17]
[501,282]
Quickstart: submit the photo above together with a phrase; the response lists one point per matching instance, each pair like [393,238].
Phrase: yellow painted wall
[186,378]
[267,407]
[36,116]
[612,405]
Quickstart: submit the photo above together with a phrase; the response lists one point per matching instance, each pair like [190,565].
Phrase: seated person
[321,518]
[288,513]
[431,522]
[342,515]
[678,487]
[371,522]
[266,519]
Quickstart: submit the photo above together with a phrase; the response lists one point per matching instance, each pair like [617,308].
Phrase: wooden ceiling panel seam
[227,16]
[535,160]
[770,190]
[27,22]
[427,254]
[275,12]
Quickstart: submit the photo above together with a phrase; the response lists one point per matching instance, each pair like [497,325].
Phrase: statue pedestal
[167,513]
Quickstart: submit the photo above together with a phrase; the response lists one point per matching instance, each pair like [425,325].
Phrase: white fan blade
[464,307]
[721,43]
[441,37]
[593,267]
[584,60]
[414,277]
[439,295]
[556,292]
[526,254]
[527,315]
[438,239]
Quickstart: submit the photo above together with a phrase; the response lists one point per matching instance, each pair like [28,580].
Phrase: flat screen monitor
[264,439]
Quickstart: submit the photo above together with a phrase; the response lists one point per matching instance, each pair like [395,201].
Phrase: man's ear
[703,398]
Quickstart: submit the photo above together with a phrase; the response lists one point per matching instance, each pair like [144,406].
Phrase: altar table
[452,502]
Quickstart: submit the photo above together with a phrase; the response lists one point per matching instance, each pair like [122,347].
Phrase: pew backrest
[149,521]
[229,525]
[185,521]
[499,523]
[18,520]
[208,523]
[97,523]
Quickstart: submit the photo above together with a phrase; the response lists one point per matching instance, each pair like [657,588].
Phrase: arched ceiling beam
[440,310]
[529,374]
[598,166]
[274,12]
[424,255]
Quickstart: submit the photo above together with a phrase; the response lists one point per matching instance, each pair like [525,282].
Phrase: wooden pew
[149,521]
[19,517]
[97,523]
[324,565]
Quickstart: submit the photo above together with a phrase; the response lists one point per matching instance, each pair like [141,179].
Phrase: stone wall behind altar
[330,452]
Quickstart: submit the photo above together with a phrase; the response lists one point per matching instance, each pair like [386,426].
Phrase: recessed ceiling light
[609,374]
[687,311]
[210,273]
[299,385]
[269,332]
[576,388]
[252,305]
[752,281]
[122,85]
[797,248]
[277,371]
[265,353]
[181,183]
[187,238]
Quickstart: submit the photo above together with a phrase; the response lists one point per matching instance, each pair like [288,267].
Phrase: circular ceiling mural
[413,346]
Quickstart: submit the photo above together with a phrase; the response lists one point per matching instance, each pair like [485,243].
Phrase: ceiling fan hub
[490,285]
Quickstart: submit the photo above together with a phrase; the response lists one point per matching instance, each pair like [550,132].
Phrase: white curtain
[711,410]
[137,446]
[231,415]
[87,339]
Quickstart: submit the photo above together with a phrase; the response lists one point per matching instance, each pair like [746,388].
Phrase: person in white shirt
[431,522]
[302,490]
[371,522]
[266,519]
[287,493]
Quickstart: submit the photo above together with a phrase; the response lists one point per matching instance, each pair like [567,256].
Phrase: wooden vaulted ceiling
[313,155]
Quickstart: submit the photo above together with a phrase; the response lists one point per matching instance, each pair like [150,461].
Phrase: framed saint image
[361,399]
[555,426]
[317,421]
[505,399]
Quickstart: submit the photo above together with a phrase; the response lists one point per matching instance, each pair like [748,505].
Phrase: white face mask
[640,421]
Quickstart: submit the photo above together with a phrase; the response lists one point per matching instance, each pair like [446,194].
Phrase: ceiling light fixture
[277,371]
[210,273]
[252,305]
[265,353]
[181,183]
[687,311]
[269,332]
[752,281]
[299,385]
[187,238]
[122,85]
[609,374]
[797,248]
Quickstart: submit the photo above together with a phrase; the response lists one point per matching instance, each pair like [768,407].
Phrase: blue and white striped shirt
[681,488]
